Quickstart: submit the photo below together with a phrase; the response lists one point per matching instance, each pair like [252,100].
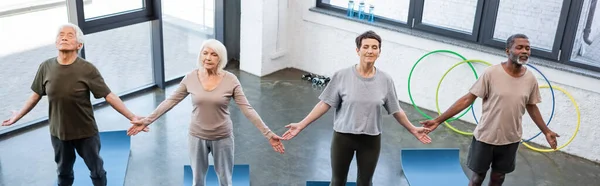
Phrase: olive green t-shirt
[68,89]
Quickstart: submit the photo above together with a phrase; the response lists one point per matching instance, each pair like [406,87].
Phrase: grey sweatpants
[222,152]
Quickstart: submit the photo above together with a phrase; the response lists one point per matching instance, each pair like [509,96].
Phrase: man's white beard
[517,59]
[522,62]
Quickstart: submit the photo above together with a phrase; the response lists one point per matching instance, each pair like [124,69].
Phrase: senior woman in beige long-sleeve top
[211,128]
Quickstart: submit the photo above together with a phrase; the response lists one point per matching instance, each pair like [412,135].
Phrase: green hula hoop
[410,75]
[437,105]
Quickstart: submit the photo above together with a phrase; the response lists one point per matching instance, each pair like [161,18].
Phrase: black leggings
[343,147]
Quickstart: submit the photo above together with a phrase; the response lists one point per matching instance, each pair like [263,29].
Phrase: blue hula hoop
[553,103]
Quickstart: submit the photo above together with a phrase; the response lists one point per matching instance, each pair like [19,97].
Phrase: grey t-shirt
[357,100]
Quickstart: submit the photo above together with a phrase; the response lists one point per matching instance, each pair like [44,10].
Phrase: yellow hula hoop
[576,128]
[437,103]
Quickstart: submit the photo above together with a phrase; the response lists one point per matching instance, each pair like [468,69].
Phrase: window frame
[419,6]
[484,25]
[491,17]
[116,20]
[570,36]
[151,12]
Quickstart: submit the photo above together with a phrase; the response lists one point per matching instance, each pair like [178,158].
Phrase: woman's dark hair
[367,35]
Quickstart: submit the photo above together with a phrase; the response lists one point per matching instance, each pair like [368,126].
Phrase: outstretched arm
[459,105]
[319,110]
[39,90]
[29,104]
[119,106]
[166,105]
[536,116]
[419,132]
[242,102]
[252,115]
[295,128]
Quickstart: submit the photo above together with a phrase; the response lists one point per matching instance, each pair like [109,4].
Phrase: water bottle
[350,10]
[361,9]
[371,16]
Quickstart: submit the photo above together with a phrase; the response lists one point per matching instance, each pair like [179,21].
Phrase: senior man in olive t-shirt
[67,80]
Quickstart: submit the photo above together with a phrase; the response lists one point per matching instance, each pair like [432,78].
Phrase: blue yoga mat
[425,167]
[241,176]
[326,183]
[114,151]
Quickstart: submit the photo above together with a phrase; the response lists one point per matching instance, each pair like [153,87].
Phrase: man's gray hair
[219,48]
[78,32]
[511,40]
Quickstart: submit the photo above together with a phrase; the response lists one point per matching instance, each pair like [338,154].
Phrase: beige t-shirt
[504,103]
[210,114]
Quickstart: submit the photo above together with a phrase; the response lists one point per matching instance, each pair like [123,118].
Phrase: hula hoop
[437,105]
[410,76]
[553,104]
[576,128]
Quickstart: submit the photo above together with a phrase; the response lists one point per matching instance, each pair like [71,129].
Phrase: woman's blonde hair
[219,48]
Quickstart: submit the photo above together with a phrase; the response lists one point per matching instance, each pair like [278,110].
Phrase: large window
[539,21]
[459,16]
[130,42]
[586,45]
[544,23]
[109,7]
[186,25]
[23,47]
[122,56]
[565,31]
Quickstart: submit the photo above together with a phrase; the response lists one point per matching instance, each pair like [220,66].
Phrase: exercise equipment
[317,80]
[326,183]
[188,175]
[410,76]
[240,175]
[433,166]
[576,128]
[115,149]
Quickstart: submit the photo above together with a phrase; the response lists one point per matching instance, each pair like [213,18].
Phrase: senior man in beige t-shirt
[508,90]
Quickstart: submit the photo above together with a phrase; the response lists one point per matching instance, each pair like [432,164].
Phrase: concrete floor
[157,157]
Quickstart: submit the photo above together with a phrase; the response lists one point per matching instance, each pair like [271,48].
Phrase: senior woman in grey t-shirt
[211,129]
[357,94]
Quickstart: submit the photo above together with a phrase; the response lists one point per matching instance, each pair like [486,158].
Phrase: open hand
[293,130]
[139,124]
[275,142]
[551,138]
[11,120]
[421,134]
[431,125]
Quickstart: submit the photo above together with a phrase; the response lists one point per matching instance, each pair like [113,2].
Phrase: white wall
[323,44]
[263,26]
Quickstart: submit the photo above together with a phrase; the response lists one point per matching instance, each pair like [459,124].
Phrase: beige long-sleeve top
[210,118]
